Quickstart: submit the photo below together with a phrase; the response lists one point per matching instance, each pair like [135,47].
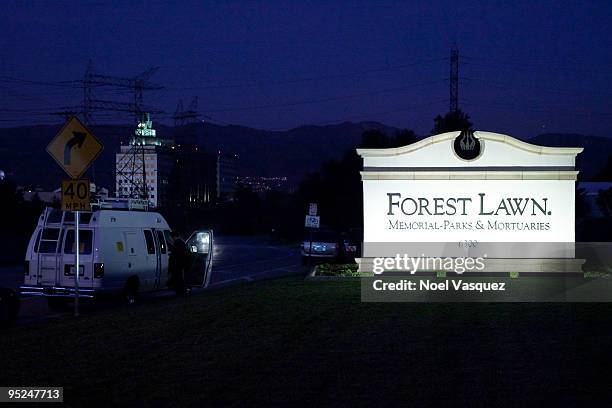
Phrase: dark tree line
[336,187]
[452,121]
[18,218]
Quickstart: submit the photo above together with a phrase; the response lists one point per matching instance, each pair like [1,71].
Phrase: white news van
[121,250]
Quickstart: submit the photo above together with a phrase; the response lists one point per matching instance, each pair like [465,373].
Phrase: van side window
[162,241]
[50,234]
[54,216]
[84,241]
[48,240]
[85,217]
[150,242]
[69,217]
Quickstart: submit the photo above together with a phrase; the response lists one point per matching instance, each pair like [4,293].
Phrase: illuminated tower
[137,165]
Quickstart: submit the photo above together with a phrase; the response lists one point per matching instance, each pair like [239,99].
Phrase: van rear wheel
[9,307]
[130,298]
[58,304]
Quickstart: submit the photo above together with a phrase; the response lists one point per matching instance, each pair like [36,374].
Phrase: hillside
[24,158]
[292,153]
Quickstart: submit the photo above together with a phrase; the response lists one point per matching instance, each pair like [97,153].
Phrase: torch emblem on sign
[467,141]
[467,146]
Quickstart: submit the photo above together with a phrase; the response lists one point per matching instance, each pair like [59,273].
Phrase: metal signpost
[312,209]
[77,267]
[75,148]
[311,222]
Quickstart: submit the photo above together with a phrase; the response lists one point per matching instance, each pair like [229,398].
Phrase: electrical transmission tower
[454,79]
[139,84]
[131,165]
[90,104]
[178,113]
[131,174]
[184,117]
[88,93]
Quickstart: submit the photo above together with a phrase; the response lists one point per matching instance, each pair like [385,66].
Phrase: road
[240,259]
[235,260]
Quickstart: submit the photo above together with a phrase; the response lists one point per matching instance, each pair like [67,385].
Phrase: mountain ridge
[293,153]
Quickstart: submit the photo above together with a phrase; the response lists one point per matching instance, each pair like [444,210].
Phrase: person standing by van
[177,263]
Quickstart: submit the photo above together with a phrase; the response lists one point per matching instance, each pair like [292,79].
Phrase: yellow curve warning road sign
[74,148]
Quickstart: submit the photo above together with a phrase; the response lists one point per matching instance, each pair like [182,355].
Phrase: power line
[308,79]
[501,85]
[102,80]
[522,64]
[497,105]
[128,82]
[321,100]
[22,81]
[102,86]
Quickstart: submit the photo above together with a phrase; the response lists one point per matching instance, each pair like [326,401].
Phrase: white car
[325,245]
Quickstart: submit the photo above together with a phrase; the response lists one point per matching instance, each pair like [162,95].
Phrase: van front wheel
[130,292]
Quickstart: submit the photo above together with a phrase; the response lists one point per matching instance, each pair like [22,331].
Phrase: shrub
[337,270]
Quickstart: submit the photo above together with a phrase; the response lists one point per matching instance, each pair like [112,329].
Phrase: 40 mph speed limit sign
[75,195]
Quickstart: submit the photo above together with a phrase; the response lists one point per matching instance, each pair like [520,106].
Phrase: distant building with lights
[143,167]
[165,173]
[227,175]
[193,178]
[260,184]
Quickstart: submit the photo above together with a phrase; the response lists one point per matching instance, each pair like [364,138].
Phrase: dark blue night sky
[525,69]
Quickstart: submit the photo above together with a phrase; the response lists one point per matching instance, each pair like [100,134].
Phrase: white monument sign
[464,187]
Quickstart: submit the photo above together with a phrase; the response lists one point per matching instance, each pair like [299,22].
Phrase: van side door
[134,252]
[163,255]
[152,263]
[201,249]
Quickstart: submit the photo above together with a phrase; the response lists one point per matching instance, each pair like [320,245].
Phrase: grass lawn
[289,341]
